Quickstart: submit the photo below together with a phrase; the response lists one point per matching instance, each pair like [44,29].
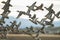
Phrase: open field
[27,37]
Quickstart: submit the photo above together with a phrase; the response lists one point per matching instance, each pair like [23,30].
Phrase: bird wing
[41,5]
[19,24]
[28,12]
[58,13]
[33,4]
[34,16]
[3,2]
[10,5]
[8,1]
[52,19]
[19,15]
[51,6]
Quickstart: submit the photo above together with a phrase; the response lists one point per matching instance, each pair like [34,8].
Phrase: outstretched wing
[41,5]
[8,1]
[51,6]
[33,4]
[3,2]
[34,16]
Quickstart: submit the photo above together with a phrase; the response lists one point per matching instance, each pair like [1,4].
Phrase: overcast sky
[21,5]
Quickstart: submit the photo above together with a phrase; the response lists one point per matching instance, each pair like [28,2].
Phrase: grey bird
[6,6]
[28,13]
[49,8]
[51,11]
[42,21]
[57,15]
[39,7]
[49,15]
[20,13]
[34,21]
[50,22]
[32,6]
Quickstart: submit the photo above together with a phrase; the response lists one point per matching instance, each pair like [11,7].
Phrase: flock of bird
[33,19]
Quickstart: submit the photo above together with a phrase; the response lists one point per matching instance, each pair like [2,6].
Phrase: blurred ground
[27,37]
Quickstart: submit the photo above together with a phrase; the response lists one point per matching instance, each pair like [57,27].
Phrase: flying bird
[43,26]
[50,9]
[6,6]
[32,6]
[57,15]
[42,21]
[50,22]
[28,13]
[20,13]
[49,15]
[34,21]
[51,12]
[7,3]
[39,7]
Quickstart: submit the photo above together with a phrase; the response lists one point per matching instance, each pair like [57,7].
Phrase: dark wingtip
[3,2]
[18,11]
[44,7]
[27,6]
[35,1]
